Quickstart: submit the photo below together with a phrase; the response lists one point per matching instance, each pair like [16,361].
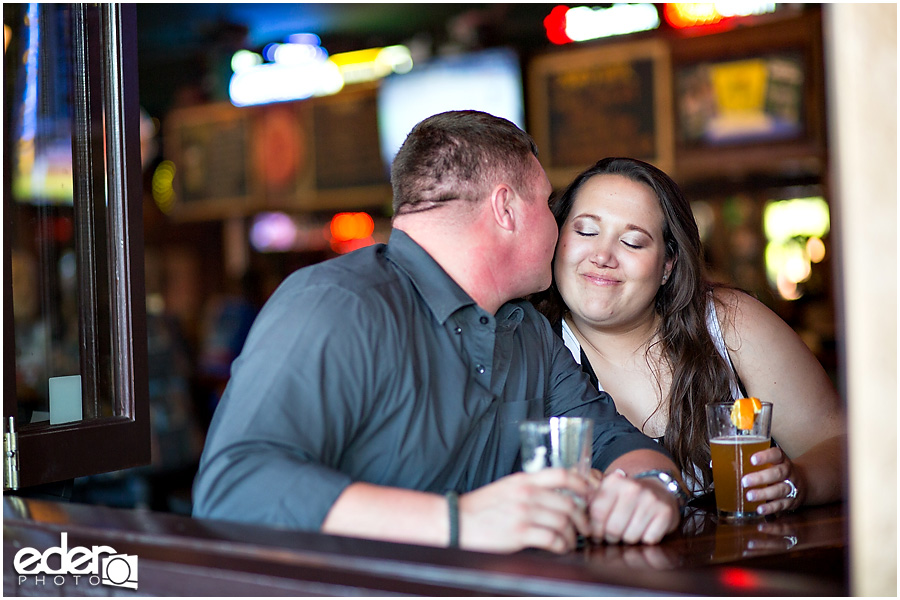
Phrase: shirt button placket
[484,321]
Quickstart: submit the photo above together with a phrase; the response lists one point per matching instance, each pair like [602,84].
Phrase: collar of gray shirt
[439,291]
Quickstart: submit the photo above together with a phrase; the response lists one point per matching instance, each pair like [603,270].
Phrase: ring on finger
[792,493]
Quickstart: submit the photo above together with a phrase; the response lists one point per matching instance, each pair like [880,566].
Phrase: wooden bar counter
[797,554]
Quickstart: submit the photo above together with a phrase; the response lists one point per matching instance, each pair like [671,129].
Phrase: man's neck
[464,250]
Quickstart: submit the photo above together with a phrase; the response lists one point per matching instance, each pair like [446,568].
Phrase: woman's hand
[774,490]
[632,511]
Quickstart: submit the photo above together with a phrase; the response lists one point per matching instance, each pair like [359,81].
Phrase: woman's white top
[715,331]
[712,324]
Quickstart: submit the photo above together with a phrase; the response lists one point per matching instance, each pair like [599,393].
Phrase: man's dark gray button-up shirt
[377,367]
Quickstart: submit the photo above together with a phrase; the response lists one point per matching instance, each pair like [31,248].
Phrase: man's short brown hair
[458,155]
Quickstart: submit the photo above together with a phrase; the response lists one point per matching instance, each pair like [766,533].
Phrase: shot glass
[731,449]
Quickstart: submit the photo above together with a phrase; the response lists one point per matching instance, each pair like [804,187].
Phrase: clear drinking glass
[557,442]
[731,449]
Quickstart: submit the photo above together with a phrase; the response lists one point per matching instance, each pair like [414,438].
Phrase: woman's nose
[604,255]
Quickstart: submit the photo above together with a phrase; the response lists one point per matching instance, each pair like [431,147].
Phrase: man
[374,383]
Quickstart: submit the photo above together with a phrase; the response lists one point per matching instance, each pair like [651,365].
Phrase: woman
[630,300]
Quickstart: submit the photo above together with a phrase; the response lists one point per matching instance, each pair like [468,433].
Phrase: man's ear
[502,202]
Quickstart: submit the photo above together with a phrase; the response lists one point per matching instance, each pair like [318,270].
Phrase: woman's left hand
[774,489]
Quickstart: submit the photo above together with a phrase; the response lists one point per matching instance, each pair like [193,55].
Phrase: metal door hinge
[11,457]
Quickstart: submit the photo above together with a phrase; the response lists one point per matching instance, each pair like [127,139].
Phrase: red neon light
[351,226]
[739,578]
[555,24]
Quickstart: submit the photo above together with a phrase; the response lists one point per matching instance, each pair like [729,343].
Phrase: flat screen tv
[490,81]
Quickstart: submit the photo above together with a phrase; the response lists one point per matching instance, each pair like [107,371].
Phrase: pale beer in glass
[731,449]
[731,461]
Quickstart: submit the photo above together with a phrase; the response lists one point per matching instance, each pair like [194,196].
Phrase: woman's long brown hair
[699,373]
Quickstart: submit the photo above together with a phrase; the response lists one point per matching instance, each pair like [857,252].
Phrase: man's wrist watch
[669,481]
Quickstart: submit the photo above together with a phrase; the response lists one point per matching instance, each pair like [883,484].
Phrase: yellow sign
[740,87]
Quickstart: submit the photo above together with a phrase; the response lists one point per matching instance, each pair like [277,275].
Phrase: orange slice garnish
[744,412]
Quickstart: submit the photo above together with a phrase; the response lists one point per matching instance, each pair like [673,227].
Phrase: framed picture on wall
[209,147]
[606,100]
[751,100]
[345,128]
[758,99]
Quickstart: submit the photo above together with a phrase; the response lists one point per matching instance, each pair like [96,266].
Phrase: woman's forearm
[822,469]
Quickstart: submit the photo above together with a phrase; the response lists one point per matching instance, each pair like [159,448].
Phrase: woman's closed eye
[633,245]
[586,233]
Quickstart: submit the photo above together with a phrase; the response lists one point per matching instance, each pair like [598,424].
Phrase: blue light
[29,105]
[309,39]
[268,52]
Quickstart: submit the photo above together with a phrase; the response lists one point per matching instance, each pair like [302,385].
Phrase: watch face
[669,481]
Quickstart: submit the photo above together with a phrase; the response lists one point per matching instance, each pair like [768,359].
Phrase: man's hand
[632,511]
[544,510]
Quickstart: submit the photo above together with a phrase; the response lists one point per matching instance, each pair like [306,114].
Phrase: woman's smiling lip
[600,279]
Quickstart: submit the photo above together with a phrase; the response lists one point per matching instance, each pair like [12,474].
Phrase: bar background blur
[219,238]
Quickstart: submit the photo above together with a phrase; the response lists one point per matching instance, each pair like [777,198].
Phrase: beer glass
[731,449]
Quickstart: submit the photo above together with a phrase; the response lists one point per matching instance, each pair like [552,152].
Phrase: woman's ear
[668,268]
